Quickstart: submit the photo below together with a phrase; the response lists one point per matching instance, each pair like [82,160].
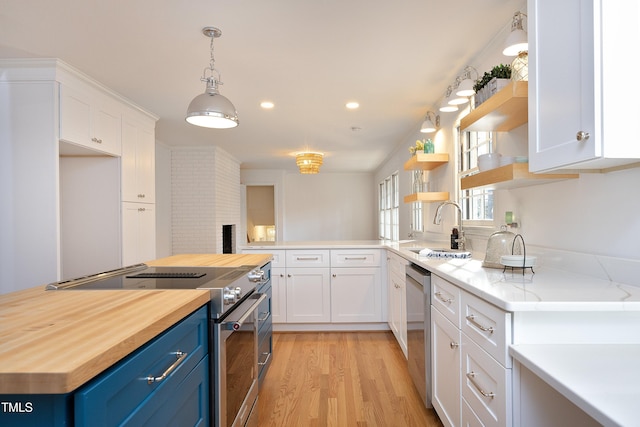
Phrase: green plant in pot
[501,71]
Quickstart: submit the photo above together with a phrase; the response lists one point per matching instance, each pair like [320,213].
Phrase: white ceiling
[396,58]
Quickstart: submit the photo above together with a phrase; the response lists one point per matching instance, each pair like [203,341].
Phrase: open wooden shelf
[514,175]
[504,111]
[432,196]
[426,162]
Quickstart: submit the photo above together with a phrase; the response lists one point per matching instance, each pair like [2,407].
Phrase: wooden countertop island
[52,342]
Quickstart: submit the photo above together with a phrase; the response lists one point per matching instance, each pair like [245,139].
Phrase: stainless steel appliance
[233,331]
[419,329]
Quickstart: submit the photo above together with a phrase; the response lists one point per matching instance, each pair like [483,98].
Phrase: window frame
[389,208]
[479,200]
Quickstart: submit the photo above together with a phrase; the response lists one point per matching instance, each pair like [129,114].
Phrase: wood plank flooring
[340,379]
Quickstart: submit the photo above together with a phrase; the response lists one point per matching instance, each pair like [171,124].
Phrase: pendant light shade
[210,109]
[430,125]
[309,162]
[517,39]
[445,107]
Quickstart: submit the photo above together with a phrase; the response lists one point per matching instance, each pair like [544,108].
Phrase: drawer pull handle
[181,356]
[266,316]
[359,258]
[265,360]
[443,299]
[311,258]
[471,318]
[471,375]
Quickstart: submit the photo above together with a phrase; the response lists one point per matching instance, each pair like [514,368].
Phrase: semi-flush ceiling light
[517,39]
[309,162]
[465,85]
[210,109]
[445,107]
[352,105]
[267,105]
[430,125]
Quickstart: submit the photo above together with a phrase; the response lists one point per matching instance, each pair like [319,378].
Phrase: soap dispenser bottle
[454,238]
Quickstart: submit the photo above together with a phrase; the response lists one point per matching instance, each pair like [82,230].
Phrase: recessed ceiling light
[267,105]
[352,105]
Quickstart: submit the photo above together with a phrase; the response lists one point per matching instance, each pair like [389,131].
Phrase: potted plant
[491,82]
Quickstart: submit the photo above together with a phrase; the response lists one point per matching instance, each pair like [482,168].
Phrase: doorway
[261,224]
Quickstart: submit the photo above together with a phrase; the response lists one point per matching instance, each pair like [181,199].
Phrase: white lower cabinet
[445,368]
[138,233]
[308,295]
[326,286]
[471,368]
[356,295]
[397,300]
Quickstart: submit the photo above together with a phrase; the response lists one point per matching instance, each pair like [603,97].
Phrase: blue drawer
[120,392]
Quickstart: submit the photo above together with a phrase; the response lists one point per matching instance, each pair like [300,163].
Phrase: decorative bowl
[489,161]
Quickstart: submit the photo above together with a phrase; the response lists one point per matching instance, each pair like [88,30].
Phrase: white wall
[324,206]
[205,194]
[163,200]
[329,206]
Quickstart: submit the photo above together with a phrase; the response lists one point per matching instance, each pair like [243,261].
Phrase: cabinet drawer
[488,326]
[397,264]
[307,258]
[445,297]
[118,393]
[486,385]
[279,256]
[265,353]
[355,258]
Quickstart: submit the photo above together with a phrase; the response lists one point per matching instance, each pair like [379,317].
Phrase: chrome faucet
[438,219]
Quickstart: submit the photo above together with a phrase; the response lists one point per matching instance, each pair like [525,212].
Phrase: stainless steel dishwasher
[419,329]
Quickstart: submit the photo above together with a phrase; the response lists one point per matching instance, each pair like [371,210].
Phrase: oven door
[235,364]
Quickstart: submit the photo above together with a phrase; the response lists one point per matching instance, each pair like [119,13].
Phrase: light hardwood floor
[340,379]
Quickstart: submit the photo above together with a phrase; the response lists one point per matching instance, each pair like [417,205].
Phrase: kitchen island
[53,342]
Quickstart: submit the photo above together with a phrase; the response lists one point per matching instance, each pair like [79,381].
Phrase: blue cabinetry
[151,379]
[265,328]
[165,382]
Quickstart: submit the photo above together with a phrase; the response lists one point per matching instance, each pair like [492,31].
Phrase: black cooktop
[145,277]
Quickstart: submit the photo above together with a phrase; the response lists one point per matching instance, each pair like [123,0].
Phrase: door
[308,295]
[445,369]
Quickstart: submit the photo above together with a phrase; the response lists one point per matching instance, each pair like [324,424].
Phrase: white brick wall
[205,194]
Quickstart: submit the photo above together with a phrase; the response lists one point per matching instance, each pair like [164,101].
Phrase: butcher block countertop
[52,342]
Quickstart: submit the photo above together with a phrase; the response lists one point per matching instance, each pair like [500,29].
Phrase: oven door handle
[235,325]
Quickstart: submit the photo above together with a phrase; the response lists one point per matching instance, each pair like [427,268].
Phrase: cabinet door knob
[453,345]
[288,275]
[334,275]
[582,135]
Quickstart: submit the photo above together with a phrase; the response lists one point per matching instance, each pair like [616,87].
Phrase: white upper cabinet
[138,160]
[90,119]
[582,100]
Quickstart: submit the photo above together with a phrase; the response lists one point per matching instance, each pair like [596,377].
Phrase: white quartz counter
[588,284]
[602,380]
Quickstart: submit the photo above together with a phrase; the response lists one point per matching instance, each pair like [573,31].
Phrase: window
[389,204]
[417,184]
[476,203]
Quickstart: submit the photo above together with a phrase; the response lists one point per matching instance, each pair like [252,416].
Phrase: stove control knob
[256,276]
[231,295]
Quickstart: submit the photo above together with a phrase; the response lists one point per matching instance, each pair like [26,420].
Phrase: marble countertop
[562,281]
[602,380]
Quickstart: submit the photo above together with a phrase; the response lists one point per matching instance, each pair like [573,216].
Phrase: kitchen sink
[440,253]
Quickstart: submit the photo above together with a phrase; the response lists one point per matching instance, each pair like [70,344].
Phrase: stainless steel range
[233,331]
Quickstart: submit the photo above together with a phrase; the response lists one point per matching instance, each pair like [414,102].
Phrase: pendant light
[430,125]
[445,107]
[465,86]
[516,40]
[309,162]
[210,109]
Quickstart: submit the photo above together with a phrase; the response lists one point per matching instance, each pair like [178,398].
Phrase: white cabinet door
[138,233]
[308,295]
[138,161]
[278,295]
[575,51]
[90,119]
[398,310]
[445,369]
[356,295]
